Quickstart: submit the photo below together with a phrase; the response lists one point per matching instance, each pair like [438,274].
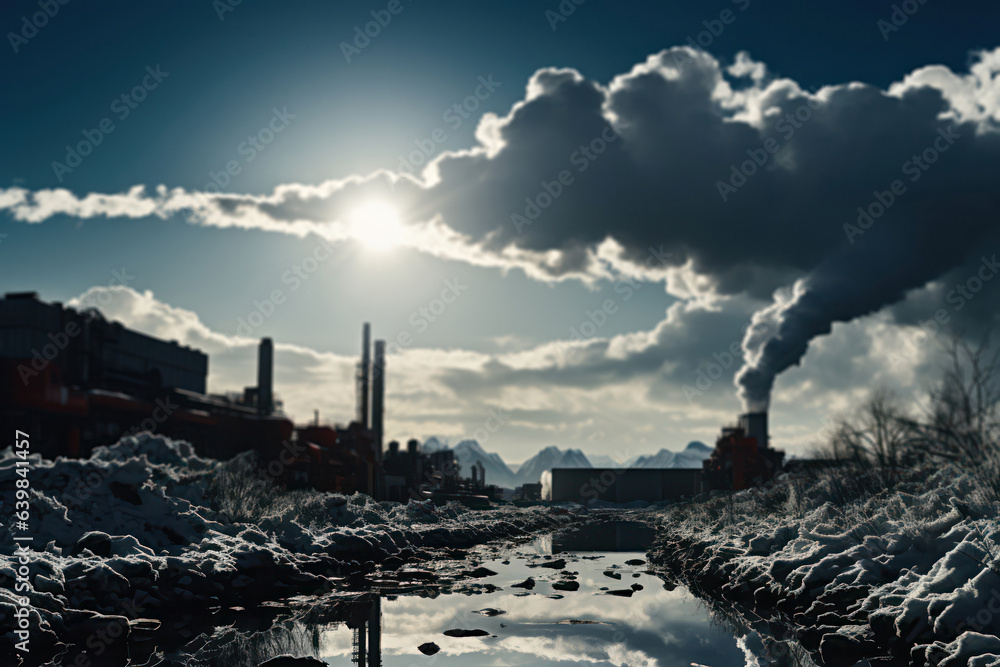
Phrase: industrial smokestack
[364,375]
[754,425]
[265,377]
[378,396]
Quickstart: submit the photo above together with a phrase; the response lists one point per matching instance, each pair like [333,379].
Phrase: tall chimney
[364,375]
[754,425]
[265,377]
[378,396]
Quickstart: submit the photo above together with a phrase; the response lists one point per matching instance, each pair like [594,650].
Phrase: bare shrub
[880,433]
[962,419]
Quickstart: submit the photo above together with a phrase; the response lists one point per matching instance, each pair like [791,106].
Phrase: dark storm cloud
[744,179]
[924,182]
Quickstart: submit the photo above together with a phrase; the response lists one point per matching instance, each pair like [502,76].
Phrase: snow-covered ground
[146,528]
[902,571]
[899,569]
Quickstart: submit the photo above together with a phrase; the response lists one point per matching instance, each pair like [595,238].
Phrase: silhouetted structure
[378,396]
[742,458]
[529,492]
[265,377]
[364,375]
[404,471]
[75,381]
[366,621]
[624,485]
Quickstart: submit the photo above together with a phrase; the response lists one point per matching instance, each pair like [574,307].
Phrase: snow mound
[911,563]
[146,528]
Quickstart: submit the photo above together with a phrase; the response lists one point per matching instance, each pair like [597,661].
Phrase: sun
[377,225]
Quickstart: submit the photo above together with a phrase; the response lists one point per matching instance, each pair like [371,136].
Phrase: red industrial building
[742,457]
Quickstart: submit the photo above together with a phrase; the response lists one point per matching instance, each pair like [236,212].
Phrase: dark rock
[466,633]
[635,561]
[480,572]
[636,587]
[566,585]
[430,648]
[613,575]
[555,564]
[839,650]
[528,583]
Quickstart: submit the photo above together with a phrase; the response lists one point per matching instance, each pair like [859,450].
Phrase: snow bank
[138,530]
[910,571]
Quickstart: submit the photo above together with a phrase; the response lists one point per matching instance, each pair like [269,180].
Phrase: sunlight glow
[376,224]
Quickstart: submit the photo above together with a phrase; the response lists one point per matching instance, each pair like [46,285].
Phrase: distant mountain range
[469,452]
[547,459]
[691,457]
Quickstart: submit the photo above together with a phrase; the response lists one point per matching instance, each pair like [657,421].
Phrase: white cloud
[596,400]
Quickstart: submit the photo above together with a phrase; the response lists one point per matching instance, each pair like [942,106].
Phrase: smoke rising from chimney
[848,286]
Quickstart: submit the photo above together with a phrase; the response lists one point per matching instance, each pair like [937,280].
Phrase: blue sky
[226,74]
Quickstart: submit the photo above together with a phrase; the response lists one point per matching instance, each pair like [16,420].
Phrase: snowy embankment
[899,570]
[147,529]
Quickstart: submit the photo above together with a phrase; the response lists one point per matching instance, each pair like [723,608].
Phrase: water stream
[593,602]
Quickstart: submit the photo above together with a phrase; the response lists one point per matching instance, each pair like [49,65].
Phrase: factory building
[82,348]
[742,457]
[76,381]
[621,486]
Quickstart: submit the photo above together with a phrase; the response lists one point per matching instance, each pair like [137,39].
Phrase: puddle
[618,614]
[654,626]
